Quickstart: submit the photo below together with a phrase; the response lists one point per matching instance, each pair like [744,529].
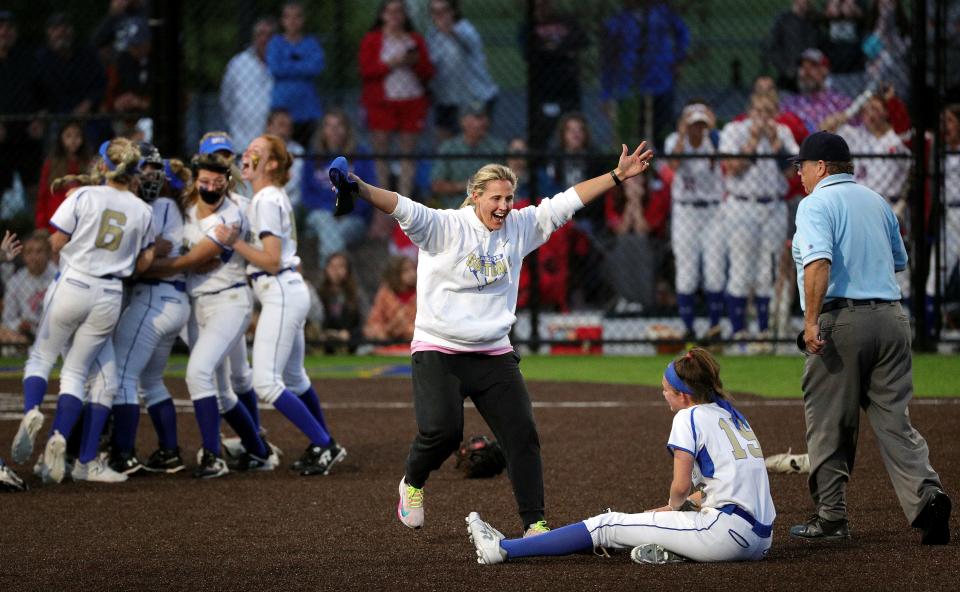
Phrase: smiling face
[493,205]
[256,159]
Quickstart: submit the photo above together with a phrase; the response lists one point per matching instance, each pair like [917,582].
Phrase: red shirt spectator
[68,157]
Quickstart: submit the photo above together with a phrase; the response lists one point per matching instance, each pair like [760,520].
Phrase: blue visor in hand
[347,190]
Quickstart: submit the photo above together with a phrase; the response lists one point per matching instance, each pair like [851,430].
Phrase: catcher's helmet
[151,172]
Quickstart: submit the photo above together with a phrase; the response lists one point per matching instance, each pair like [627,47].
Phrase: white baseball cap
[696,112]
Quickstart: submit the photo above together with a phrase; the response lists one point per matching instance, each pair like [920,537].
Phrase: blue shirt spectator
[295,60]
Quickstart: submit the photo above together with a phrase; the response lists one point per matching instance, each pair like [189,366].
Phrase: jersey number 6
[753,445]
[110,232]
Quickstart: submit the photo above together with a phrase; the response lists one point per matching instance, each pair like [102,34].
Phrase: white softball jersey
[270,213]
[467,275]
[950,254]
[886,176]
[696,179]
[764,179]
[108,229]
[231,272]
[168,224]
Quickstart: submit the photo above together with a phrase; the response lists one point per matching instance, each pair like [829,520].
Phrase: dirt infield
[603,446]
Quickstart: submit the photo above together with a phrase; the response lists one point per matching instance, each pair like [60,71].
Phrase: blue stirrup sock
[715,307]
[312,401]
[737,311]
[249,400]
[69,408]
[34,388]
[125,420]
[164,417]
[763,312]
[562,541]
[239,419]
[293,409]
[208,419]
[94,418]
[685,304]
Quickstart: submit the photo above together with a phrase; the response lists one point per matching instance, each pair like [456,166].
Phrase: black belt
[845,302]
[237,285]
[759,200]
[699,203]
[257,274]
[178,285]
[761,530]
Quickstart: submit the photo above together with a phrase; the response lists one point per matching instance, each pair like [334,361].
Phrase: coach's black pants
[494,383]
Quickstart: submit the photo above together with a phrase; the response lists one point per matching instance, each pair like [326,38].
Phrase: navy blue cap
[824,146]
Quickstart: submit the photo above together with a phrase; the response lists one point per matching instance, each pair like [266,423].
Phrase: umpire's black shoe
[934,520]
[318,460]
[820,529]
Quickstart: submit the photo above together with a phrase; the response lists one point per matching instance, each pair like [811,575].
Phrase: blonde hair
[182,172]
[487,173]
[122,153]
[236,177]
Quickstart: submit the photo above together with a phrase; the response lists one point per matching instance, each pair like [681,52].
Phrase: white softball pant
[241,375]
[81,307]
[278,346]
[755,237]
[221,320]
[950,253]
[697,237]
[707,535]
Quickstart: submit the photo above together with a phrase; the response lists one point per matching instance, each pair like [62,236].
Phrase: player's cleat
[126,463]
[654,554]
[9,481]
[934,520]
[318,460]
[165,460]
[819,529]
[232,448]
[538,527]
[211,466]
[55,457]
[252,462]
[486,540]
[97,470]
[410,506]
[30,425]
[788,463]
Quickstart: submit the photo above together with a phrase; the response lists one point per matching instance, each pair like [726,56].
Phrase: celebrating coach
[847,248]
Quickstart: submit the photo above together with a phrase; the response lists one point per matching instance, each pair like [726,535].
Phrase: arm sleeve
[269,218]
[729,139]
[896,241]
[815,231]
[683,434]
[11,306]
[227,88]
[371,67]
[424,67]
[682,36]
[789,144]
[427,228]
[540,221]
[66,216]
[309,64]
[468,37]
[149,236]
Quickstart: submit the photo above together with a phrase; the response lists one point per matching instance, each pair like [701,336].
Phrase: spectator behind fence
[814,100]
[756,215]
[129,84]
[555,42]
[697,231]
[69,156]
[280,124]
[950,239]
[460,63]
[23,298]
[70,77]
[344,305]
[296,60]
[21,150]
[644,45]
[247,86]
[106,37]
[844,26]
[793,31]
[574,143]
[335,136]
[449,176]
[395,68]
[394,308]
[887,46]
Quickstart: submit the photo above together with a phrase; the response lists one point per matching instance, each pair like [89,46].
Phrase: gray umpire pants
[866,363]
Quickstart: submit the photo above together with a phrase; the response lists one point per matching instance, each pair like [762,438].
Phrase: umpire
[857,337]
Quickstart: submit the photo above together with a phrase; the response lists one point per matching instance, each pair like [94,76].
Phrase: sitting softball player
[730,517]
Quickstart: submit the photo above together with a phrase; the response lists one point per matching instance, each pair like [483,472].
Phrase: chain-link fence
[421,93]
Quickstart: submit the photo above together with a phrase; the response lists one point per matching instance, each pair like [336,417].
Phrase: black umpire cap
[823,146]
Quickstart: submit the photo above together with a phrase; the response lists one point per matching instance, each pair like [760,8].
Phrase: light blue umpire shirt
[856,230]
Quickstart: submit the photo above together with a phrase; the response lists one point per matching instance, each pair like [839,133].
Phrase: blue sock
[929,311]
[249,400]
[562,541]
[312,401]
[94,418]
[164,417]
[34,388]
[293,409]
[763,312]
[239,419]
[685,304]
[208,418]
[68,412]
[715,307]
[125,420]
[737,311]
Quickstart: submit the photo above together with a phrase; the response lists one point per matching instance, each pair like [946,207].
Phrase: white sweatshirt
[468,276]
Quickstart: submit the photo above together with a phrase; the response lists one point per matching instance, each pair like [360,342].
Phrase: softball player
[729,518]
[103,235]
[696,230]
[756,215]
[278,346]
[217,284]
[950,255]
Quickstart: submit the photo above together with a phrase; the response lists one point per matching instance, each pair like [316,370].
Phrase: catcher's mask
[151,172]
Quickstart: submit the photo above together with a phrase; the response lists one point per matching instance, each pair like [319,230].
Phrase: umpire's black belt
[257,274]
[845,302]
[699,203]
[759,200]
[761,530]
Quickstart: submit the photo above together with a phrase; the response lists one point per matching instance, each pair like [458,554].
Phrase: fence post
[533,166]
[918,230]
[167,58]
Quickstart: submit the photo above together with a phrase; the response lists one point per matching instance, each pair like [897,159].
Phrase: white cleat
[22,448]
[232,449]
[788,463]
[410,507]
[97,470]
[486,539]
[55,457]
[654,554]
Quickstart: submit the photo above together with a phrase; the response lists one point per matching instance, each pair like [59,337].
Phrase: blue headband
[176,183]
[675,381]
[106,159]
[739,421]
